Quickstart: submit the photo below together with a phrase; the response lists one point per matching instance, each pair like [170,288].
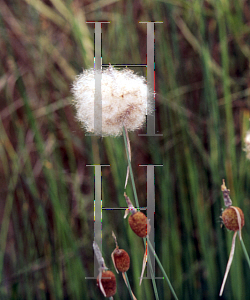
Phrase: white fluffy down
[124,100]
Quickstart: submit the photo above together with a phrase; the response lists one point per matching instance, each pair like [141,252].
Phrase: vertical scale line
[98,80]
[151,216]
[97,214]
[151,78]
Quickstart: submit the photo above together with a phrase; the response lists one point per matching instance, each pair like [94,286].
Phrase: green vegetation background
[202,53]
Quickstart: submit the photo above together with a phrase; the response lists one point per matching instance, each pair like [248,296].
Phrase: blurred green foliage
[202,56]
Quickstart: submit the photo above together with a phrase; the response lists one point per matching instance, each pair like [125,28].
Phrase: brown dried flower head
[231,218]
[121,260]
[108,282]
[138,222]
[124,100]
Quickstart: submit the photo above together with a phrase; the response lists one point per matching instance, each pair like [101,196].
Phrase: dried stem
[238,219]
[102,265]
[226,192]
[144,239]
[228,263]
[129,155]
[130,168]
[144,263]
[99,257]
[131,207]
[113,235]
[125,278]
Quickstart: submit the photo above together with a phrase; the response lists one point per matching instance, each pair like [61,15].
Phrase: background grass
[202,54]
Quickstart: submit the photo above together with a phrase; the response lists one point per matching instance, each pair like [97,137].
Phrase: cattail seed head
[231,220]
[108,282]
[121,259]
[124,100]
[139,224]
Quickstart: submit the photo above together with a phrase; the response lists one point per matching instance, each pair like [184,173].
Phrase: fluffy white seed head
[247,144]
[124,100]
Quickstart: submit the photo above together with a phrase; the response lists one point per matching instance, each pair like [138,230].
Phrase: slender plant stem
[137,205]
[229,263]
[163,271]
[245,251]
[128,285]
[152,274]
[144,239]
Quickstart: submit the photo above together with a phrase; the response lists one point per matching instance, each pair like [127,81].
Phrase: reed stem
[245,252]
[144,239]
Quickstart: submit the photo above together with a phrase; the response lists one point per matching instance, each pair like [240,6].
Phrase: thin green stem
[128,285]
[163,271]
[245,251]
[152,274]
[144,239]
[137,205]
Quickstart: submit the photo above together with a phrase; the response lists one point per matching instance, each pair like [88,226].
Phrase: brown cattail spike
[121,259]
[139,224]
[108,282]
[231,220]
[137,220]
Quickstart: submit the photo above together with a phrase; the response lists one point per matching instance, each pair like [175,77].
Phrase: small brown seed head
[139,224]
[230,219]
[108,283]
[122,260]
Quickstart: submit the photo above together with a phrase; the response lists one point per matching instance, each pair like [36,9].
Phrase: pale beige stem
[112,254]
[129,153]
[100,284]
[124,277]
[102,265]
[113,235]
[130,207]
[238,220]
[228,263]
[145,257]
